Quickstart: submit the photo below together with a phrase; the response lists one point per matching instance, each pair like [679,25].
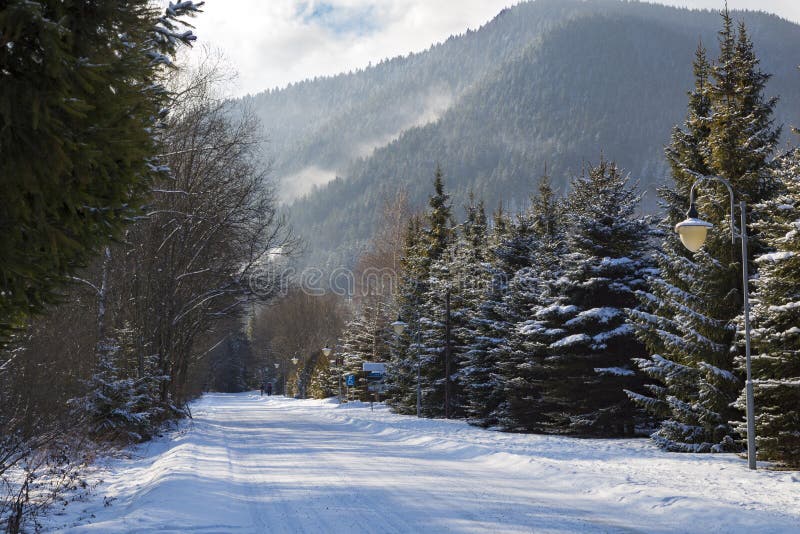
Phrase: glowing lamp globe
[327,351]
[693,230]
[693,233]
[399,327]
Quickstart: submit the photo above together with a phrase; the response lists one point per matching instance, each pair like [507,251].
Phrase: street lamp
[399,327]
[693,232]
[277,365]
[294,361]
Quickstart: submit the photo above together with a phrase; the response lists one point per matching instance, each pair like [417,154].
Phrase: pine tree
[428,281]
[118,405]
[775,325]
[489,330]
[356,347]
[529,303]
[365,339]
[661,321]
[658,321]
[440,215]
[688,319]
[435,351]
[324,380]
[402,370]
[466,260]
[589,364]
[79,99]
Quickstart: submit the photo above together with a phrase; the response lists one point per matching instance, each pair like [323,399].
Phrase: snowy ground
[250,464]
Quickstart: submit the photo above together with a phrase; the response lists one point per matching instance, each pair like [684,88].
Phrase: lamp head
[327,351]
[399,326]
[295,360]
[693,230]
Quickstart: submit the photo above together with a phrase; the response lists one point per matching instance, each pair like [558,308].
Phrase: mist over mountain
[551,83]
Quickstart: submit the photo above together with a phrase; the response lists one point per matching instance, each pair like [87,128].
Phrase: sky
[272,43]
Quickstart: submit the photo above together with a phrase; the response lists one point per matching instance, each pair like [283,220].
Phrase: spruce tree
[490,328]
[661,320]
[528,303]
[433,316]
[438,314]
[401,376]
[471,278]
[365,339]
[776,324]
[687,321]
[420,351]
[324,379]
[439,232]
[590,363]
[80,98]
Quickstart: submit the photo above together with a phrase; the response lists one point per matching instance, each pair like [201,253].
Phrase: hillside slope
[545,83]
[325,123]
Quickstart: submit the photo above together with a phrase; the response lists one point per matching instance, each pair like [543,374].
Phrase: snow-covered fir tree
[324,380]
[122,401]
[401,376]
[529,306]
[659,321]
[365,339]
[688,321]
[776,324]
[438,344]
[462,268]
[490,329]
[588,364]
[435,353]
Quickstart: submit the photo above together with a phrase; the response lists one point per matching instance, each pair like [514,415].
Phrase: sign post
[375,373]
[349,382]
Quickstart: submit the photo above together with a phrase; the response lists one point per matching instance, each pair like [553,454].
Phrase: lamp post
[399,327]
[298,379]
[294,361]
[327,352]
[447,353]
[693,232]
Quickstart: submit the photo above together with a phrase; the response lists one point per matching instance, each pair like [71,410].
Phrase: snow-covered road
[250,464]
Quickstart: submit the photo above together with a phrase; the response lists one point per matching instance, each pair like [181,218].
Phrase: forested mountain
[547,82]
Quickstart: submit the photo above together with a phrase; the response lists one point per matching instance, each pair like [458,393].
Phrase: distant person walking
[269,389]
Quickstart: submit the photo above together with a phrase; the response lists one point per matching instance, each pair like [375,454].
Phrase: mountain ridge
[591,77]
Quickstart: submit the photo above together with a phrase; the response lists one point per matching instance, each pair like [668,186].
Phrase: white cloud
[277,42]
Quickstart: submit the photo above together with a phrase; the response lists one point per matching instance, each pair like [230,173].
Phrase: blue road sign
[350,380]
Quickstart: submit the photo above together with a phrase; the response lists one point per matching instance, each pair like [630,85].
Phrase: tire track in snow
[284,467]
[234,460]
